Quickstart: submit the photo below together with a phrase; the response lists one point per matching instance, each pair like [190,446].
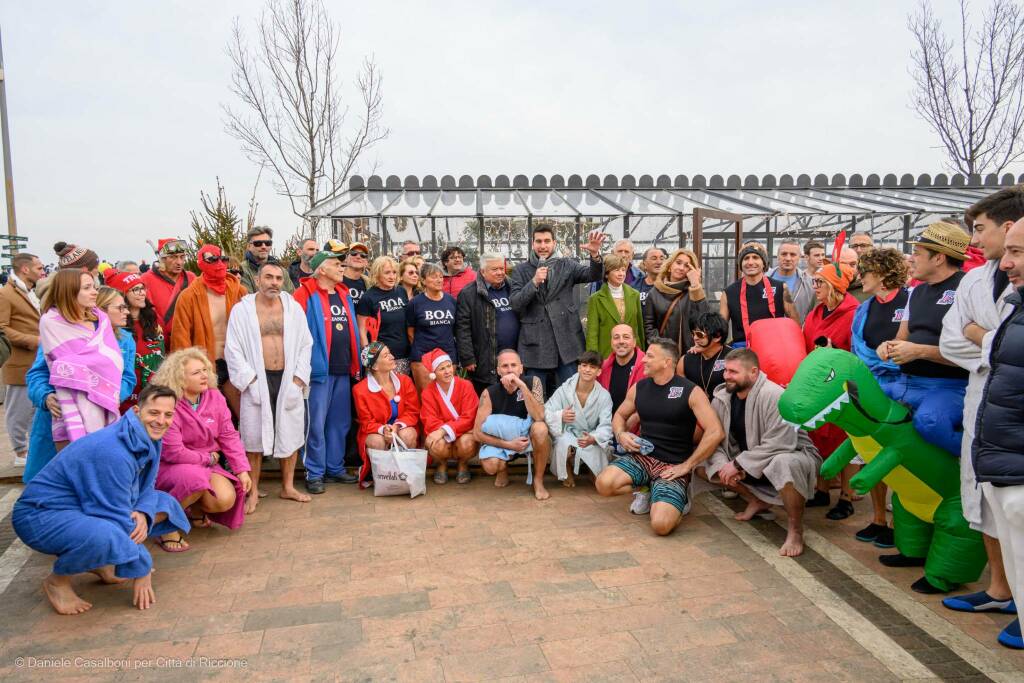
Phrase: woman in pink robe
[202,461]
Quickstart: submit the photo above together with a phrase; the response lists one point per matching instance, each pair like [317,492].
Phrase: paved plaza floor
[473,583]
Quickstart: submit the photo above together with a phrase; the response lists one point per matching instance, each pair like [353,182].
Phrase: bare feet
[501,479]
[569,481]
[753,507]
[251,501]
[539,492]
[292,494]
[63,598]
[107,575]
[143,596]
[794,544]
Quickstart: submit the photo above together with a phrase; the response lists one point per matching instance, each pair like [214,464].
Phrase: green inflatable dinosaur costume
[835,386]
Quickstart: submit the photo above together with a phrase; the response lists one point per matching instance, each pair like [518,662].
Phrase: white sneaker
[729,494]
[19,461]
[641,504]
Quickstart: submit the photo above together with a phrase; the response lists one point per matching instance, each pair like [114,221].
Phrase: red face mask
[214,274]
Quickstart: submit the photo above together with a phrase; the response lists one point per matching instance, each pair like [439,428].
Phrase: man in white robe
[583,430]
[267,349]
[967,333]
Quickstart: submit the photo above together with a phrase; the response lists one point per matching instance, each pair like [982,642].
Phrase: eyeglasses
[137,289]
[262,243]
[817,282]
[122,308]
[210,258]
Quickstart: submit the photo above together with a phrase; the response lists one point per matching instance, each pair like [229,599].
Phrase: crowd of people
[143,404]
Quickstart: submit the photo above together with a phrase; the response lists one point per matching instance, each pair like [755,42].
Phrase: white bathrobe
[595,418]
[973,304]
[243,351]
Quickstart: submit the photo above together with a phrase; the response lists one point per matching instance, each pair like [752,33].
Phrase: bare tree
[294,119]
[970,90]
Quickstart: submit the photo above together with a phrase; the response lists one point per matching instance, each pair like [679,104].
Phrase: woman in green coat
[614,304]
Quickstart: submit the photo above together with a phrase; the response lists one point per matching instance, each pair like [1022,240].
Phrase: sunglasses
[262,243]
[413,253]
[210,258]
[697,334]
[357,253]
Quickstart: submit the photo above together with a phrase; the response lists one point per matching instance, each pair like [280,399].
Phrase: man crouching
[671,411]
[762,457]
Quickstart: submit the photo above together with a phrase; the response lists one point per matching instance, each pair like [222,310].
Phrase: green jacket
[602,316]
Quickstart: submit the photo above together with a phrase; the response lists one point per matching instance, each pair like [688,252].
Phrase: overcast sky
[116,120]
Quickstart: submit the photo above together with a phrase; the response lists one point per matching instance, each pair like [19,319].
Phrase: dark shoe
[841,510]
[1010,636]
[926,587]
[901,560]
[820,500]
[315,486]
[343,478]
[869,533]
[885,539]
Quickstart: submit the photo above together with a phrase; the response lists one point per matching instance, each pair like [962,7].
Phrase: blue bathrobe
[41,448]
[79,505]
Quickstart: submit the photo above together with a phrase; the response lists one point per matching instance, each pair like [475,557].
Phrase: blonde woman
[202,461]
[676,298]
[409,275]
[381,312]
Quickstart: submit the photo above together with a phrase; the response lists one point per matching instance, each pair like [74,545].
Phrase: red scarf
[214,274]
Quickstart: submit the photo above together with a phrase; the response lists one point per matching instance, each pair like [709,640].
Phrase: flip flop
[162,544]
[440,477]
[463,477]
[200,522]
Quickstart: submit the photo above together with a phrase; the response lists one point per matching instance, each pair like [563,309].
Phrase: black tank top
[504,403]
[757,305]
[666,419]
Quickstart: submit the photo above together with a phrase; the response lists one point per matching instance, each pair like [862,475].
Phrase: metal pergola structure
[498,214]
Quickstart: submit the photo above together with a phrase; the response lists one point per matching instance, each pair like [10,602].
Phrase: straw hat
[945,238]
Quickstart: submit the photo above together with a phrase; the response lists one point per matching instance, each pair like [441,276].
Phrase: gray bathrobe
[776,450]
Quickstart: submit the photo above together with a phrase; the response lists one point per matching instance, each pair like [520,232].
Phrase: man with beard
[653,259]
[968,330]
[167,280]
[704,365]
[331,318]
[300,268]
[670,409]
[754,296]
[202,315]
[762,458]
[551,336]
[259,242]
[268,356]
[848,257]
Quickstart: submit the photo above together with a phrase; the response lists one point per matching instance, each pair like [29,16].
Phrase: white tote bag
[398,470]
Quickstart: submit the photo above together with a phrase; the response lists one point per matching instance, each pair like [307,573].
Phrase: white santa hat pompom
[434,359]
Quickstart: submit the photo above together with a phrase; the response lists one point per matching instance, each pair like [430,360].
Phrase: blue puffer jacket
[998,449]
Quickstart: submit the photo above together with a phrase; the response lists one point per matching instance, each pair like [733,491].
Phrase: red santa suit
[453,411]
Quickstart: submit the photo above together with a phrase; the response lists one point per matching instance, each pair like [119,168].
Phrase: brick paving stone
[386,605]
[592,563]
[275,617]
[500,662]
[335,634]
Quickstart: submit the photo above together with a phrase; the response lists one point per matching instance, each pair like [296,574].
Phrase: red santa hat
[433,359]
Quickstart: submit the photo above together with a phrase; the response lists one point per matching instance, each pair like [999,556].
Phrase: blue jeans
[330,416]
[938,405]
[553,378]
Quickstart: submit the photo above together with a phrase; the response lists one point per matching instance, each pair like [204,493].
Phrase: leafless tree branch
[292,116]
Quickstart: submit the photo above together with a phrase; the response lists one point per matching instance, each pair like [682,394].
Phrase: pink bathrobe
[185,454]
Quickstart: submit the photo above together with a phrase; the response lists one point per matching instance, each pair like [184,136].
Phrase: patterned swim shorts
[646,471]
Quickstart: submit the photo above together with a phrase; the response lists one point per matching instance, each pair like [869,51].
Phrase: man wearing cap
[331,318]
[551,335]
[202,313]
[268,357]
[300,266]
[258,243]
[968,331]
[449,406]
[754,296]
[356,259]
[167,280]
[931,385]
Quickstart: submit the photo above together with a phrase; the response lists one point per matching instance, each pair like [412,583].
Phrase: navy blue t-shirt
[390,304]
[356,288]
[433,323]
[506,322]
[339,360]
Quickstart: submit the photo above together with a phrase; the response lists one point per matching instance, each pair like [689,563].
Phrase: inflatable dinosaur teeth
[835,386]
